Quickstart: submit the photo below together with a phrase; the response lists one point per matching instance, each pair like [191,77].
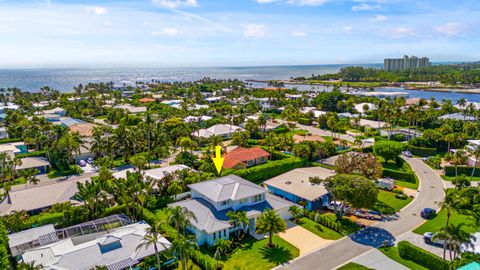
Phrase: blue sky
[172,33]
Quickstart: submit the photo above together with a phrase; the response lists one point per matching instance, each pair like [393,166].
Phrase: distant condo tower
[405,63]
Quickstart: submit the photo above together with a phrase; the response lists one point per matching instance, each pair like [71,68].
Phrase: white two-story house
[212,200]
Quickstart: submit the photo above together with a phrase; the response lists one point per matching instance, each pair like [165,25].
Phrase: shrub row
[268,170]
[4,262]
[399,175]
[204,261]
[422,151]
[305,121]
[421,256]
[10,140]
[41,153]
[466,170]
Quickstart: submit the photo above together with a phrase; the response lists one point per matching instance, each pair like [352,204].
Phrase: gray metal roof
[230,187]
[27,236]
[211,220]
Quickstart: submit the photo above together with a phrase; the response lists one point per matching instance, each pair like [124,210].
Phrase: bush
[389,150]
[305,121]
[268,170]
[399,175]
[205,261]
[41,153]
[426,259]
[422,151]
[10,140]
[4,262]
[466,170]
[74,169]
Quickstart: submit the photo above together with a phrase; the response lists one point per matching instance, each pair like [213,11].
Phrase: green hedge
[422,151]
[205,261]
[399,175]
[268,170]
[41,153]
[426,259]
[10,140]
[305,121]
[466,170]
[4,262]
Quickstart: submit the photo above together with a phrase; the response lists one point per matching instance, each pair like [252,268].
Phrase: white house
[212,200]
[223,130]
[115,249]
[362,106]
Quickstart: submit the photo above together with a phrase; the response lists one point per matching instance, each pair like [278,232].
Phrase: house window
[257,198]
[214,235]
[250,162]
[224,233]
[243,200]
[227,202]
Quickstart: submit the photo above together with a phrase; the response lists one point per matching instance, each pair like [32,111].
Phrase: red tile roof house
[240,158]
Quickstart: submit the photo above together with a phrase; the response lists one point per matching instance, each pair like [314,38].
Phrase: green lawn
[354,266]
[407,184]
[435,224]
[392,253]
[318,229]
[255,255]
[388,204]
[450,178]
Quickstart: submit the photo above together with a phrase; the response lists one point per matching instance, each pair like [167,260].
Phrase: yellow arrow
[218,159]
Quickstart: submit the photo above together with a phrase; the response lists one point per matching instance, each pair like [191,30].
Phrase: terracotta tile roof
[146,100]
[242,155]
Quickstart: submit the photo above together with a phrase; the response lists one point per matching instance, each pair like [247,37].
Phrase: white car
[407,154]
[429,238]
[331,206]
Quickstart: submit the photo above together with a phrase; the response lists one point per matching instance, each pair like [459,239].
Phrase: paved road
[344,250]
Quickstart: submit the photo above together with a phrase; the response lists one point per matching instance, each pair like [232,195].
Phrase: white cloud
[347,29]
[450,29]
[378,18]
[295,2]
[365,7]
[401,32]
[266,1]
[174,4]
[95,10]
[167,32]
[296,33]
[307,2]
[255,30]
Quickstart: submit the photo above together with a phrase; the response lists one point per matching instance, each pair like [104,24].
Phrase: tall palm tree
[152,238]
[180,217]
[183,248]
[270,222]
[238,220]
[476,154]
[453,202]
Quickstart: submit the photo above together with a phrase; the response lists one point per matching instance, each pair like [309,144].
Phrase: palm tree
[183,248]
[458,159]
[458,237]
[295,211]
[453,202]
[270,222]
[180,217]
[476,153]
[153,237]
[237,219]
[223,246]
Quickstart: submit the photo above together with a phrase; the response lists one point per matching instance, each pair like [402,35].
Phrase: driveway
[418,241]
[304,240]
[344,250]
[375,259]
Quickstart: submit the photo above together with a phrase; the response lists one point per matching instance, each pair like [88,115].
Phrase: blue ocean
[64,79]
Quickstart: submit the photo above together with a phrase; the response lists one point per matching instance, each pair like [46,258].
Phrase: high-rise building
[405,63]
